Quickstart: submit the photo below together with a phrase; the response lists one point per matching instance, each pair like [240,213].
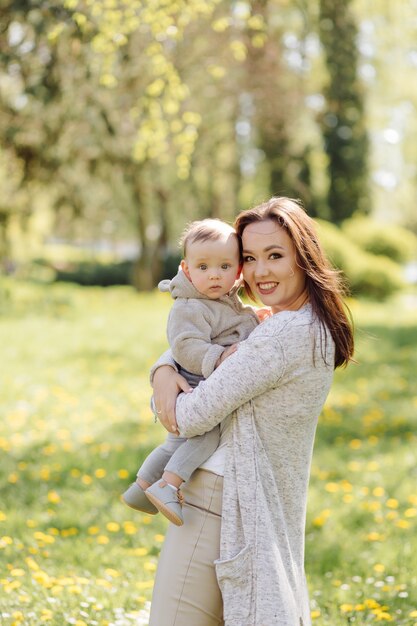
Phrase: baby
[205,321]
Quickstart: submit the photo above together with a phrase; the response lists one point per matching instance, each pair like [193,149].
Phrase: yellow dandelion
[144,584]
[103,540]
[355,444]
[17,572]
[412,512]
[374,536]
[93,530]
[149,566]
[112,572]
[392,503]
[3,516]
[100,473]
[371,603]
[379,568]
[53,497]
[413,614]
[346,608]
[139,551]
[129,528]
[378,492]
[159,538]
[402,523]
[6,540]
[113,527]
[332,487]
[360,607]
[86,479]
[123,473]
[315,614]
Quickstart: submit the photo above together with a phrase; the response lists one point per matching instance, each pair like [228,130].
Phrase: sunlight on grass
[76,424]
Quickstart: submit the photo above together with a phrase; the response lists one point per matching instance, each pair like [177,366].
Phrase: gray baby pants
[179,455]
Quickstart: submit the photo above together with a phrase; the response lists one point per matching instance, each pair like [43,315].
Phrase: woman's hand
[263,313]
[167,384]
[227,352]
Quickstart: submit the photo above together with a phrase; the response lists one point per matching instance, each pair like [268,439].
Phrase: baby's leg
[187,458]
[153,466]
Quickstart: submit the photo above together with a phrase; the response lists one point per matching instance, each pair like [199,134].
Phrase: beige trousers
[186,592]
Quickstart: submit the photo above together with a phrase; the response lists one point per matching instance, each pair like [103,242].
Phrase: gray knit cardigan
[274,386]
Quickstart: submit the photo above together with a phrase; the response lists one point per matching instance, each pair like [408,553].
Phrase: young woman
[239,558]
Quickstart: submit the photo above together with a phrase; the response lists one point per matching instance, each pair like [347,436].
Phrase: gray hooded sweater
[274,387]
[199,329]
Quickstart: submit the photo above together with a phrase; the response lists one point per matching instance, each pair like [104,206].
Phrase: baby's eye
[225,266]
[203,266]
[248,259]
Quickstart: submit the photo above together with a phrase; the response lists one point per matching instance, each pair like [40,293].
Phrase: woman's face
[270,266]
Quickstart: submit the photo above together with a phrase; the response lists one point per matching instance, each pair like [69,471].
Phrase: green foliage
[390,240]
[343,122]
[367,275]
[76,424]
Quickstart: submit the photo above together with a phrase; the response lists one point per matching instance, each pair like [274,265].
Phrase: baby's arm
[189,335]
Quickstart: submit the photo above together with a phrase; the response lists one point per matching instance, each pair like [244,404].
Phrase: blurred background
[120,121]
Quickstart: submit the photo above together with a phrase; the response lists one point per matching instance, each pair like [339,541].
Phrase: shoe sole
[162,508]
[135,508]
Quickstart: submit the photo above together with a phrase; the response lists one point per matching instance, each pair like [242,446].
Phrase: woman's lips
[266,288]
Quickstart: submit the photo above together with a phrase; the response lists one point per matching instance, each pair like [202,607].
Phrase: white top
[217,461]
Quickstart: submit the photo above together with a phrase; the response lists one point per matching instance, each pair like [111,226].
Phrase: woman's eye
[248,259]
[275,255]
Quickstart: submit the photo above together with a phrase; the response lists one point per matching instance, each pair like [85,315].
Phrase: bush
[98,274]
[367,275]
[392,241]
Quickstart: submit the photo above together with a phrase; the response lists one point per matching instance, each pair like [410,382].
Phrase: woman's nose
[260,269]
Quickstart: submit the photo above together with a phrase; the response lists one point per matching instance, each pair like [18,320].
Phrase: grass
[76,424]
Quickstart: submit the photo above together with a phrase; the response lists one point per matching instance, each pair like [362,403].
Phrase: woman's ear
[184,267]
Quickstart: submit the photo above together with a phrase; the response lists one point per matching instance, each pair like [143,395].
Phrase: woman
[267,396]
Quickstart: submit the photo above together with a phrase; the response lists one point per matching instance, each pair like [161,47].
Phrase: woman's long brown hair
[324,284]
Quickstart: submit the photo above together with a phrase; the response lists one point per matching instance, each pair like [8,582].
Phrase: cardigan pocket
[235,577]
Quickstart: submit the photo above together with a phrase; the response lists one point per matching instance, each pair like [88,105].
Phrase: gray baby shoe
[135,497]
[167,501]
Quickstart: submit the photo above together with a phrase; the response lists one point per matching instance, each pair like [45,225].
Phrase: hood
[180,287]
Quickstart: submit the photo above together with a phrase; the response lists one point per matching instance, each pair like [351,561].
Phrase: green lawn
[76,424]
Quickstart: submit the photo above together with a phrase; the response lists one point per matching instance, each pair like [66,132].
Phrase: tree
[343,125]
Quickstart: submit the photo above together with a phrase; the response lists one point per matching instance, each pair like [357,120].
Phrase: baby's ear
[184,267]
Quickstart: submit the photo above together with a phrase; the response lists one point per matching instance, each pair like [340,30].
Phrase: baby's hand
[229,350]
[263,313]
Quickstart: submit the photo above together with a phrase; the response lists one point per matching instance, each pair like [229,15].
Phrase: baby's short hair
[210,229]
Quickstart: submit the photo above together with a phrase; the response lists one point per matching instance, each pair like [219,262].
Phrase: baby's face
[213,266]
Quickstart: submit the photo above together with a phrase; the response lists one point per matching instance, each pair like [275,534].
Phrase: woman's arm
[256,367]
